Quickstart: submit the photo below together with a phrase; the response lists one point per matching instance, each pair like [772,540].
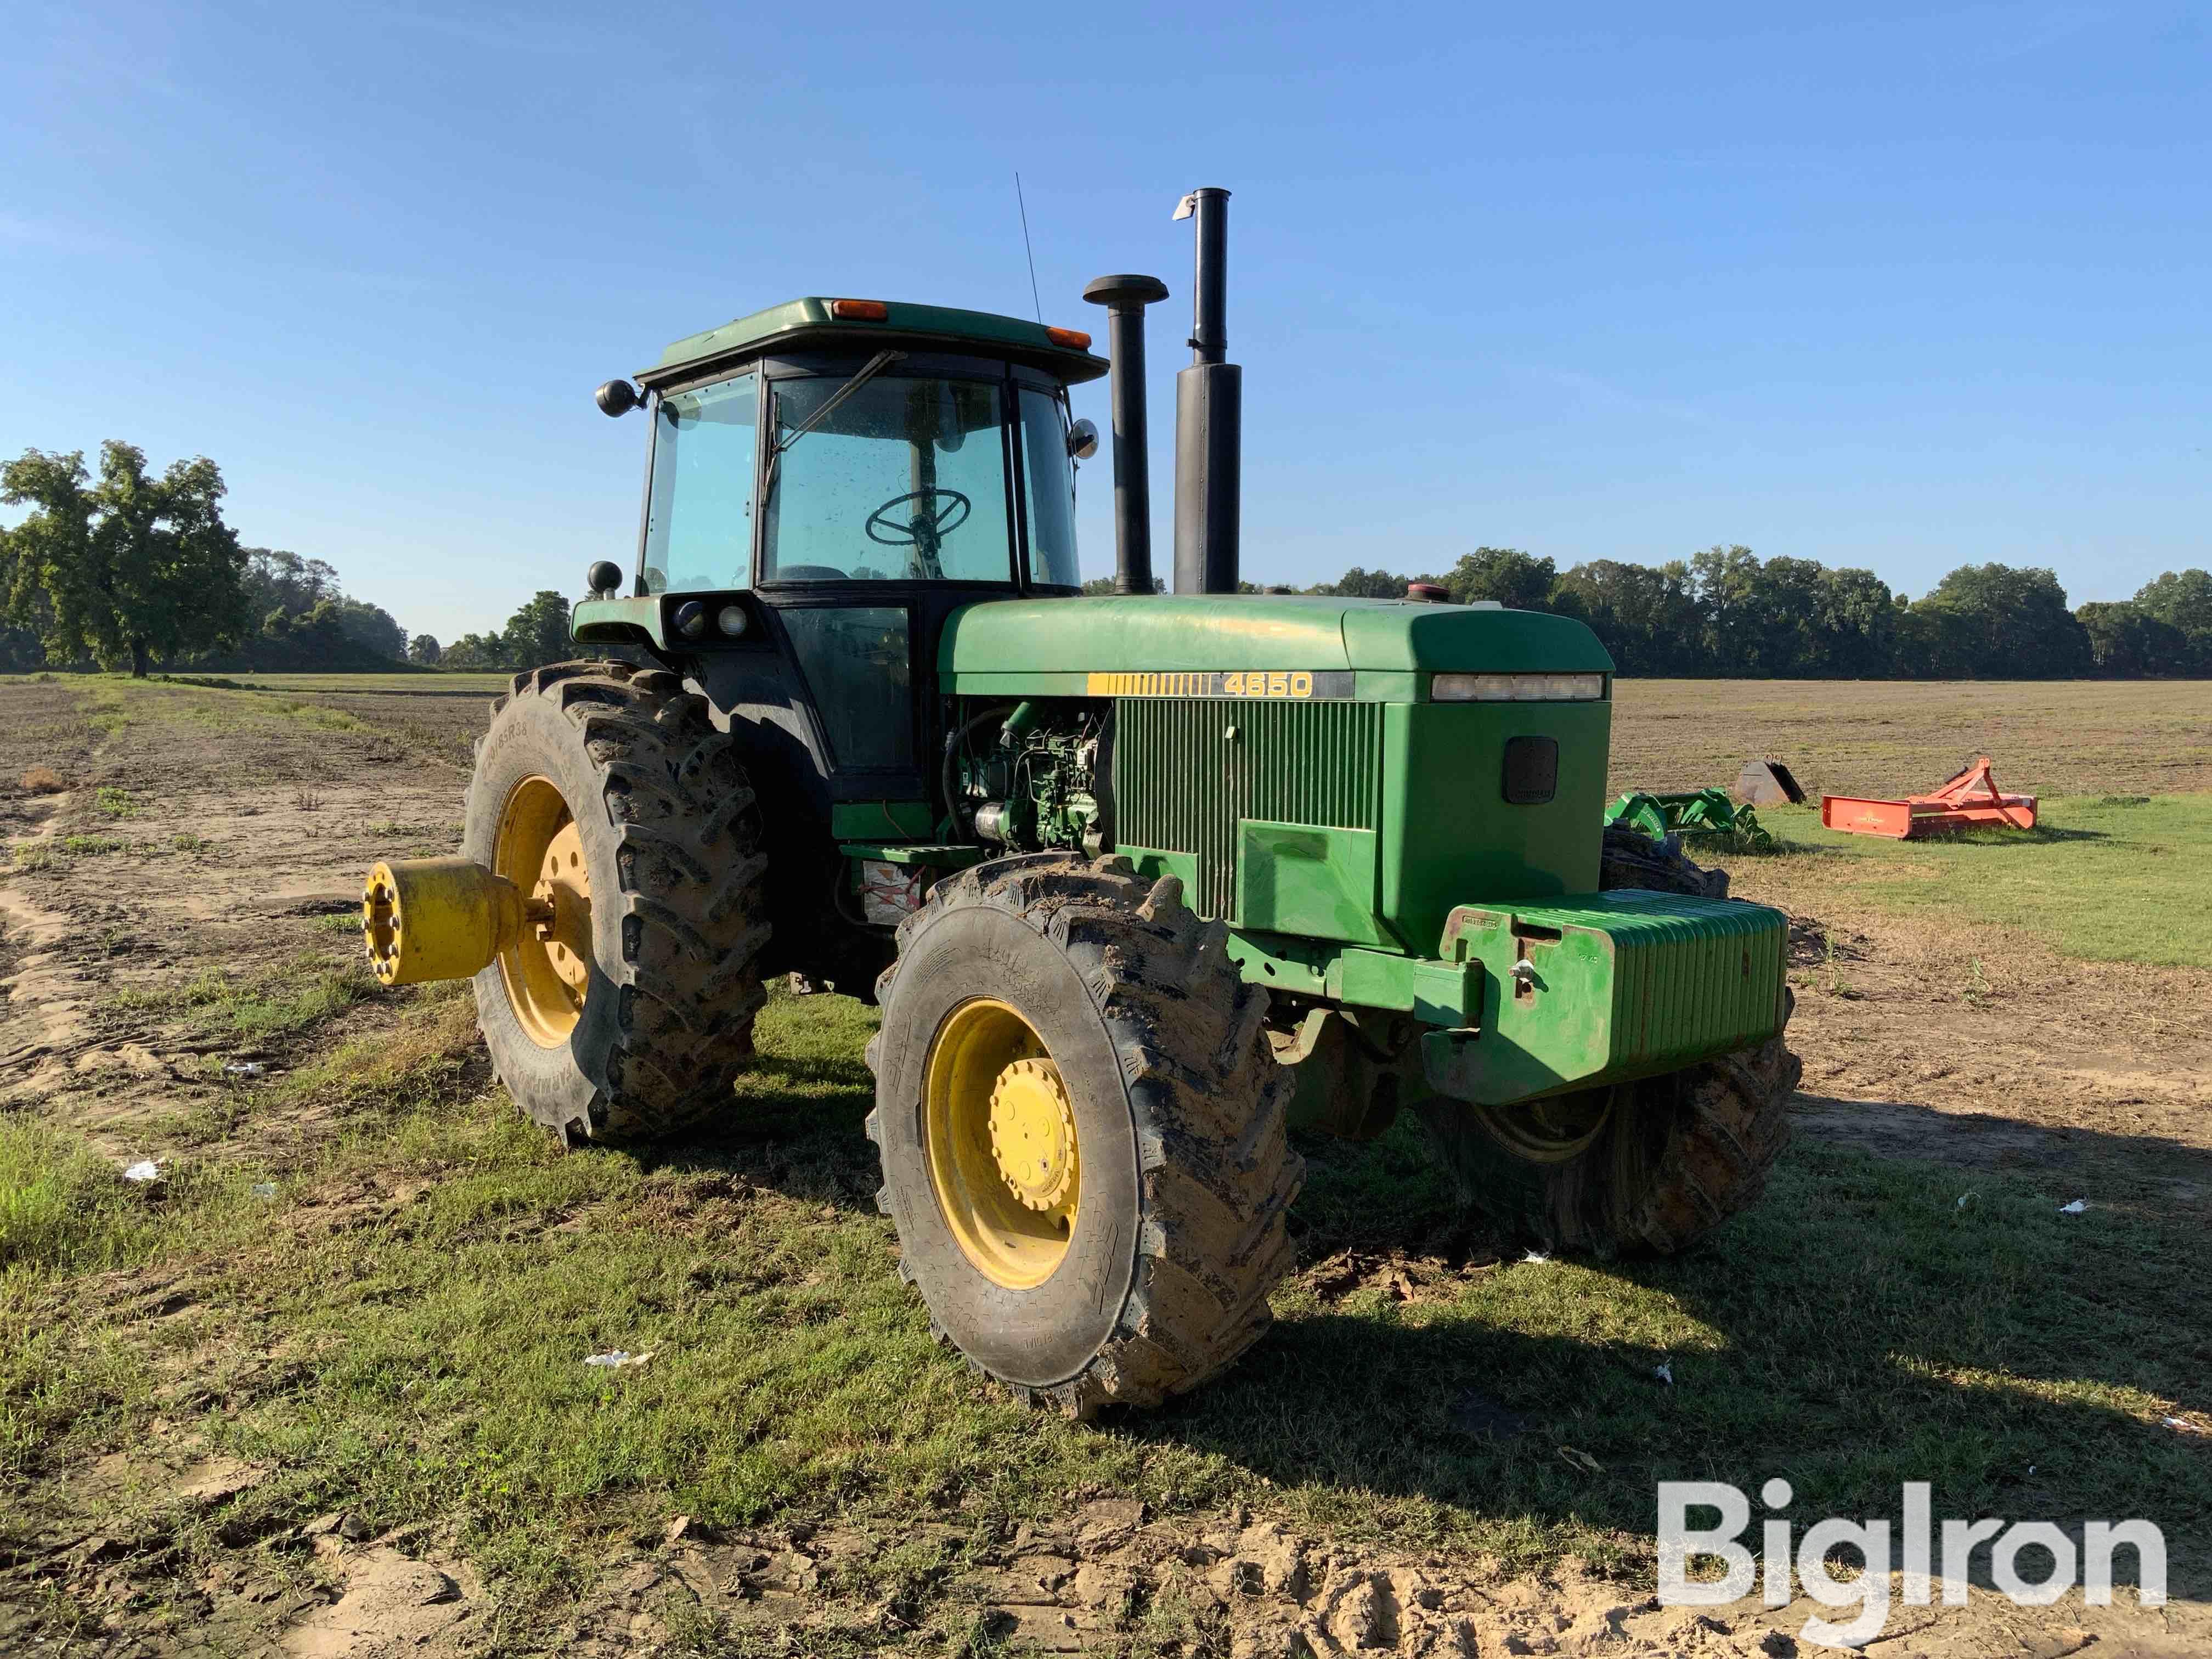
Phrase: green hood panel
[1137,633]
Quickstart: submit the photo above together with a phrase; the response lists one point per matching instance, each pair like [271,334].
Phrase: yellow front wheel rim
[547,969]
[999,1130]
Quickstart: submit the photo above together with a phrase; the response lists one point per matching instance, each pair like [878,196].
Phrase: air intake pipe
[1125,299]
[1209,416]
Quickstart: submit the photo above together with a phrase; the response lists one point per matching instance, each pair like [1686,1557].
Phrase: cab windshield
[894,478]
[904,480]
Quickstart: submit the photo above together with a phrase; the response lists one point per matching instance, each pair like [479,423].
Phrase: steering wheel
[927,524]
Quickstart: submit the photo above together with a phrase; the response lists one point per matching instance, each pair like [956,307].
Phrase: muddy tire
[1660,1162]
[1646,1168]
[1170,1095]
[666,832]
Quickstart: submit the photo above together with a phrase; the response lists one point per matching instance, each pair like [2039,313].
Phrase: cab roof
[811,322]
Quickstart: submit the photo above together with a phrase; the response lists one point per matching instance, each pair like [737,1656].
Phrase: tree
[2122,639]
[1930,642]
[1359,584]
[1854,625]
[1752,615]
[1518,580]
[371,628]
[130,567]
[539,633]
[1648,619]
[476,652]
[423,649]
[2183,603]
[279,581]
[2013,623]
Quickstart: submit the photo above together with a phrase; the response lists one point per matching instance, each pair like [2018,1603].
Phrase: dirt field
[225,1447]
[1881,736]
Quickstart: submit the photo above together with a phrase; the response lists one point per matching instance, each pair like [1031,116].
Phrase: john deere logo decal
[1287,684]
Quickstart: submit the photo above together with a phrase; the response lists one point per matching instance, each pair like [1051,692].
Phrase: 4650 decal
[1291,685]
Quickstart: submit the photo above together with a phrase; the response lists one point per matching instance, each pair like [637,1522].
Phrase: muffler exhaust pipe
[1125,299]
[1209,416]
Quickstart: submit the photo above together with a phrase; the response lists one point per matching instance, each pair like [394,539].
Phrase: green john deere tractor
[1140,883]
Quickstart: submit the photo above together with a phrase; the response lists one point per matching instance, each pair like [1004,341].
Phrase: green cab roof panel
[809,322]
[1141,633]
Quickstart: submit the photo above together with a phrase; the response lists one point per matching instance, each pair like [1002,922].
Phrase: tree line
[1726,613]
[128,567]
[123,566]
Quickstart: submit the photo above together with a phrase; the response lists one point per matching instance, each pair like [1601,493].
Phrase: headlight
[732,620]
[1516,688]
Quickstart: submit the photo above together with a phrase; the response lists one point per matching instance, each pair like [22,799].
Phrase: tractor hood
[1202,633]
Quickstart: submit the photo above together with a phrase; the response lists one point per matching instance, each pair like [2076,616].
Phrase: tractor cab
[827,482]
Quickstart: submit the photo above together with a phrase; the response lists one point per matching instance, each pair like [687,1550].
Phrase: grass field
[423,1364]
[2101,879]
[362,1279]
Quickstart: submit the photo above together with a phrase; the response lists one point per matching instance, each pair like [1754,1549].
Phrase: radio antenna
[1026,248]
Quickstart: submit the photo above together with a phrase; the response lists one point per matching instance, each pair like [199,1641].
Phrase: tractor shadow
[1856,1331]
[797,1128]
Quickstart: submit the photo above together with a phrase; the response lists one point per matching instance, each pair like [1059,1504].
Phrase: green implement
[1697,814]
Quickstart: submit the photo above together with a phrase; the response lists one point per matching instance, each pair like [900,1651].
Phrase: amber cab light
[1073,338]
[859,311]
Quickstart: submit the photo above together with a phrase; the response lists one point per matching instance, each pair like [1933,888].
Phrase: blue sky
[1890,286]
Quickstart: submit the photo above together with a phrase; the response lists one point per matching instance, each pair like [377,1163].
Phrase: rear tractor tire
[1647,1168]
[1083,1133]
[605,789]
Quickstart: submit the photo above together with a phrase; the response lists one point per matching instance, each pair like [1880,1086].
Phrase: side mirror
[618,397]
[604,578]
[1083,440]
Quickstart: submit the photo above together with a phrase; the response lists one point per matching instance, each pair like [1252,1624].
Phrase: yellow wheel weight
[1005,1161]
[450,918]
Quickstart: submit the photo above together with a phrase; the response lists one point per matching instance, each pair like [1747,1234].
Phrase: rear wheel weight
[1173,1171]
[638,1024]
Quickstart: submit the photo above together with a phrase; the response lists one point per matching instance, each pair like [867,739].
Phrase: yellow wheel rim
[546,970]
[1000,1129]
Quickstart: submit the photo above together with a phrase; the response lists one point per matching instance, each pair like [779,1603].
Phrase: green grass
[62,1208]
[2106,879]
[115,802]
[430,1354]
[302,994]
[91,846]
[69,1367]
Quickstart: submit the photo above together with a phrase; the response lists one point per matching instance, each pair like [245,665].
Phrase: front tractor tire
[604,790]
[1647,1168]
[1083,1132]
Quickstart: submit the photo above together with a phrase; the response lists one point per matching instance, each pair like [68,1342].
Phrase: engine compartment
[1034,775]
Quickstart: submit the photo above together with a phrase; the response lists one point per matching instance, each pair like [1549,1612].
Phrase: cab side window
[699,518]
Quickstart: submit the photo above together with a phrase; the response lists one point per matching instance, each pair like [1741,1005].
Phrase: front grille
[1181,782]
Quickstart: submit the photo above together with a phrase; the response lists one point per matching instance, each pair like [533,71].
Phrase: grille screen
[1181,782]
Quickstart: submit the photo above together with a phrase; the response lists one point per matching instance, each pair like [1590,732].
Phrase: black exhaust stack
[1125,299]
[1209,417]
